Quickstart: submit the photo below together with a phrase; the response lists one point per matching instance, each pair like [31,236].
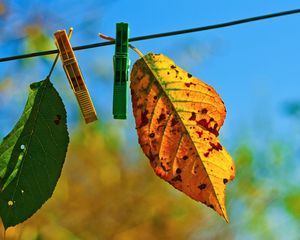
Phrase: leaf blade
[30,180]
[167,121]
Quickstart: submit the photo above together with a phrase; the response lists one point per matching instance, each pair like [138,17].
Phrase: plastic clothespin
[121,69]
[74,76]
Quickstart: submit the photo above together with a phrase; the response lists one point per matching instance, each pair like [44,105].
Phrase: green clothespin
[121,69]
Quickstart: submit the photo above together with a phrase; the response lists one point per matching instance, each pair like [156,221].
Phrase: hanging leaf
[178,118]
[32,155]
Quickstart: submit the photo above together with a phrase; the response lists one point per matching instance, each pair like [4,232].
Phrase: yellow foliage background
[100,196]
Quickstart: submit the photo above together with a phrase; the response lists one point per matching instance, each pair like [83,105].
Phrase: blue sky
[255,66]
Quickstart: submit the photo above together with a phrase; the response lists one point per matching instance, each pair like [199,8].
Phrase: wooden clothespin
[74,76]
[121,68]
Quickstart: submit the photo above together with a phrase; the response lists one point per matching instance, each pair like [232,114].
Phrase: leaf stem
[131,46]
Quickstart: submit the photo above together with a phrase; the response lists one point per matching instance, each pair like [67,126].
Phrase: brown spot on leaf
[189,84]
[206,154]
[193,117]
[185,157]
[214,131]
[202,186]
[163,167]
[144,118]
[177,178]
[216,147]
[203,123]
[211,206]
[152,156]
[161,117]
[178,170]
[173,66]
[204,111]
[155,97]
[189,75]
[152,135]
[199,133]
[225,180]
[174,121]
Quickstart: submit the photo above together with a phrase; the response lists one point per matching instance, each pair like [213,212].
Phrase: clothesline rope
[158,35]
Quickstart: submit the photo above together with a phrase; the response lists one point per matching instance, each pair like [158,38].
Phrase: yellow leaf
[178,118]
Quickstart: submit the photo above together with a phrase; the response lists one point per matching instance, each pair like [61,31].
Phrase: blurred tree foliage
[100,197]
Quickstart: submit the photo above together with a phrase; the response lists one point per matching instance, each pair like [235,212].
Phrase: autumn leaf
[178,118]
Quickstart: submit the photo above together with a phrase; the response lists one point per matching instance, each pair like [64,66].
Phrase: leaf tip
[225,217]
[223,213]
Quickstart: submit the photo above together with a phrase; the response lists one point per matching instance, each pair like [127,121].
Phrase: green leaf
[32,155]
